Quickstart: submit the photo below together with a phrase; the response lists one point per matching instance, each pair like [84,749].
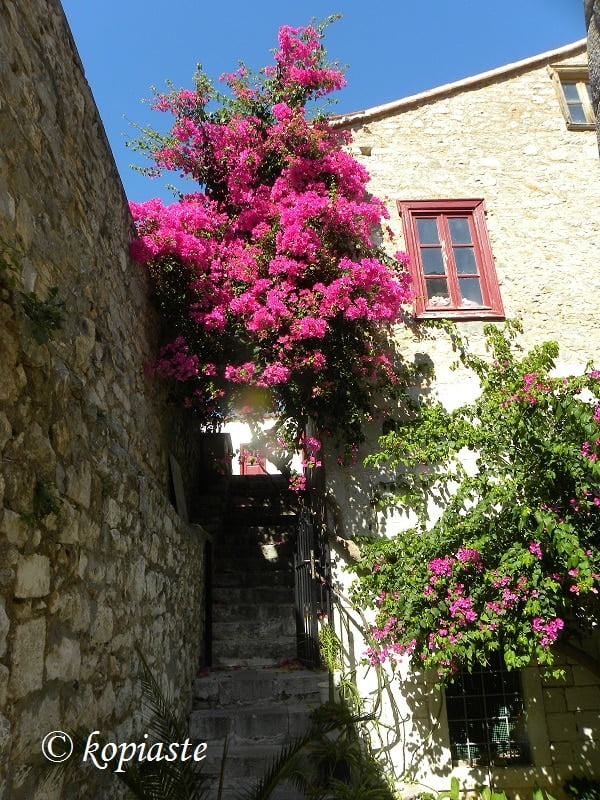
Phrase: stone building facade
[511,144]
[94,559]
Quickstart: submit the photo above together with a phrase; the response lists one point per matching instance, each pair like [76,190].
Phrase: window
[451,259]
[575,97]
[253,460]
[486,719]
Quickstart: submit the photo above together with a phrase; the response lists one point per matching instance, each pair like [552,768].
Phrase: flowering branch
[513,563]
[273,296]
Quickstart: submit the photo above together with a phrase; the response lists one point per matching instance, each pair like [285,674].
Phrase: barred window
[486,718]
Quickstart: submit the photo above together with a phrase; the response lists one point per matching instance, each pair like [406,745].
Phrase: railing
[312,570]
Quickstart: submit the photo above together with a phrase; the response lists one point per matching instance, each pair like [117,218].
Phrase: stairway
[253,619]
[259,711]
[255,695]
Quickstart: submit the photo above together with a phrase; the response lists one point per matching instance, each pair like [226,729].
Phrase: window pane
[433,263]
[474,706]
[576,113]
[589,91]
[459,230]
[571,93]
[472,682]
[428,231]
[465,261]
[490,727]
[437,292]
[470,291]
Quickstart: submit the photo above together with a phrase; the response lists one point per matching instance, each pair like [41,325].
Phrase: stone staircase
[253,620]
[258,711]
[256,696]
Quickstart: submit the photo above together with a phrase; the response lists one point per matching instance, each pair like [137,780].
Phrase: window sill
[472,315]
[581,126]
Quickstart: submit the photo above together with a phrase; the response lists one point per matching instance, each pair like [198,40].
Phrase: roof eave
[549,56]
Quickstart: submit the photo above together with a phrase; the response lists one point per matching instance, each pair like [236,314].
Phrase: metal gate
[312,570]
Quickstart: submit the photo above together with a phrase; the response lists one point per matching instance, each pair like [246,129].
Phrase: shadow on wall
[354,492]
[404,708]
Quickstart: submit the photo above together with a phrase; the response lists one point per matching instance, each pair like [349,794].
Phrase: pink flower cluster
[547,631]
[274,258]
[530,391]
[536,549]
[176,361]
[441,566]
[589,451]
[298,62]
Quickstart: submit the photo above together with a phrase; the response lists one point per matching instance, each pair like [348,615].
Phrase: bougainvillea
[513,562]
[273,295]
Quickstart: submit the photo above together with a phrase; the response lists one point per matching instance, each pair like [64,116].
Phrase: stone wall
[502,138]
[94,560]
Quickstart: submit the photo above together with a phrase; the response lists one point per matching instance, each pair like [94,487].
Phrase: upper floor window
[451,259]
[486,719]
[575,97]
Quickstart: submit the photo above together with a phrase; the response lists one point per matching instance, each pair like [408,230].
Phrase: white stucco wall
[502,139]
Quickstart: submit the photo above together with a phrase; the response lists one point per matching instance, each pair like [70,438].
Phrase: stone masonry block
[583,698]
[33,577]
[561,727]
[14,528]
[554,700]
[79,484]
[63,662]
[4,628]
[28,658]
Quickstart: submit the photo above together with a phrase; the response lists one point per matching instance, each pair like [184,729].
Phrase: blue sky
[393,48]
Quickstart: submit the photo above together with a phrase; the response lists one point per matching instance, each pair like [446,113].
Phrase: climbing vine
[273,295]
[513,562]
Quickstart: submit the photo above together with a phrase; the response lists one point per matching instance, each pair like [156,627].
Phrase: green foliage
[513,562]
[9,262]
[44,503]
[45,316]
[582,788]
[483,793]
[337,764]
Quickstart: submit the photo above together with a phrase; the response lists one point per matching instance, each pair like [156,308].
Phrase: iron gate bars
[312,577]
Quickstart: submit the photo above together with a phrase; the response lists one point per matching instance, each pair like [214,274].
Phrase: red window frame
[480,278]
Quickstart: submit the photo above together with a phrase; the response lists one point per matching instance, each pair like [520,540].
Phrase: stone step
[275,723]
[261,529]
[240,787]
[257,629]
[256,518]
[252,595]
[265,579]
[250,547]
[221,688]
[259,711]
[254,564]
[243,547]
[258,484]
[253,653]
[262,498]
[259,612]
[246,761]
